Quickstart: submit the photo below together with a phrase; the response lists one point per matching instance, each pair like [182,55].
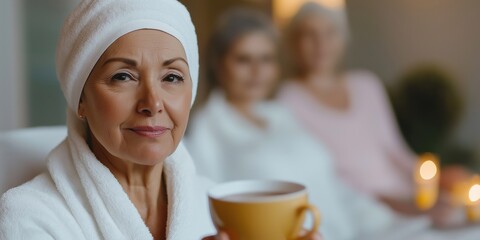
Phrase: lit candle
[427,179]
[473,203]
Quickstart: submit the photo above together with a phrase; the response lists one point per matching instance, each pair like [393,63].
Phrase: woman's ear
[81,107]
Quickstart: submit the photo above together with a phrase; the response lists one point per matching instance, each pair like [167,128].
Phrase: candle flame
[428,170]
[474,193]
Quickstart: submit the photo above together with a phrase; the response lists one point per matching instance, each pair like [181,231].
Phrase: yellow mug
[261,210]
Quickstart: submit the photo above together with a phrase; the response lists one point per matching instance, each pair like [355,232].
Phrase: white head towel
[96,24]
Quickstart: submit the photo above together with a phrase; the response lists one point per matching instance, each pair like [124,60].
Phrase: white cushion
[23,153]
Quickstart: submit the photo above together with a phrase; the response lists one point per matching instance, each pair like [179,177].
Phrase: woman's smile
[149,131]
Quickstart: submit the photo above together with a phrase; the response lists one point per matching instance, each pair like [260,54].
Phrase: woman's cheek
[111,109]
[178,106]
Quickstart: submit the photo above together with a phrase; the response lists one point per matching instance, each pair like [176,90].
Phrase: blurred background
[427,53]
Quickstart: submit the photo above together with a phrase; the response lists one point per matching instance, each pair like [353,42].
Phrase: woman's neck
[323,79]
[144,186]
[245,108]
[328,88]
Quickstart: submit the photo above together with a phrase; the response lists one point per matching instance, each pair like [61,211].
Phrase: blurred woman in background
[348,110]
[239,134]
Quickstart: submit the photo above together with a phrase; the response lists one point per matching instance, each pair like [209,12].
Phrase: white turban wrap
[96,24]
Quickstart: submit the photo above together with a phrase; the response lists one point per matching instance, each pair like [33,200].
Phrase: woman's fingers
[224,236]
[219,236]
[315,236]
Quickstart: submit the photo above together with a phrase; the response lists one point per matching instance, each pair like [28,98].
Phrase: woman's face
[249,69]
[136,100]
[318,45]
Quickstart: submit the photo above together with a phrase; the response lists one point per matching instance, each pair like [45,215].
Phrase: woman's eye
[173,78]
[122,77]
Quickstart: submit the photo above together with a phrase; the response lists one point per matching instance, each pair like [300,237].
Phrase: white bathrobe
[227,147]
[79,198]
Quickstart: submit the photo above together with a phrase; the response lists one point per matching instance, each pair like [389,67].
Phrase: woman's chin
[257,96]
[150,160]
[150,157]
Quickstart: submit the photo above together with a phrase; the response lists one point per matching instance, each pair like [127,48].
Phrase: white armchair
[23,153]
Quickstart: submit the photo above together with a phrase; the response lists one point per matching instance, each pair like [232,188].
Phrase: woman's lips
[149,131]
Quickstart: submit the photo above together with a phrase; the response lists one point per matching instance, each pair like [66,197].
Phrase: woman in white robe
[128,70]
[238,134]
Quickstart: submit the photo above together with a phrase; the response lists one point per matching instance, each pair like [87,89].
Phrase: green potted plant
[428,106]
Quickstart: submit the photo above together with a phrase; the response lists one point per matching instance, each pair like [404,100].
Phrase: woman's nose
[151,102]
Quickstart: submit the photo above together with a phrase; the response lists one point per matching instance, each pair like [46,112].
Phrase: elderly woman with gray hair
[349,112]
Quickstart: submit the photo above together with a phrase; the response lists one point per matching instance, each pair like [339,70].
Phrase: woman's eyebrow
[130,62]
[170,61]
[133,63]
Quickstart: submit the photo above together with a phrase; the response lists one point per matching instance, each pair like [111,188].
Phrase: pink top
[364,140]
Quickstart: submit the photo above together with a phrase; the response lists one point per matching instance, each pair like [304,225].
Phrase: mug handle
[299,225]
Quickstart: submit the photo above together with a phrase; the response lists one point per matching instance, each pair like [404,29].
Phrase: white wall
[12,79]
[391,37]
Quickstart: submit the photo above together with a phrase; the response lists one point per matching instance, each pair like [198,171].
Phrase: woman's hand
[444,214]
[219,236]
[441,214]
[407,208]
[316,236]
[224,236]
